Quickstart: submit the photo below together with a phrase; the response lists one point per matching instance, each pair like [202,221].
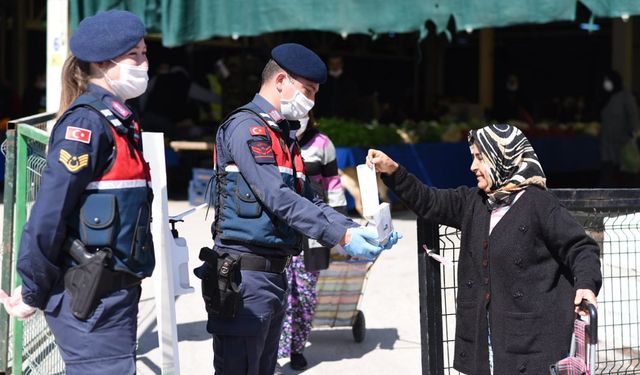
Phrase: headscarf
[511,162]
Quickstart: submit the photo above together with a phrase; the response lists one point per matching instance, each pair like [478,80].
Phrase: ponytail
[75,78]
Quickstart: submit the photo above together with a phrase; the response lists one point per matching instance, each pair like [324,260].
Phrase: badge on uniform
[258,130]
[73,163]
[262,151]
[78,134]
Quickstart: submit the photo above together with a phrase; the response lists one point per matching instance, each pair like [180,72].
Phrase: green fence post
[20,219]
[7,241]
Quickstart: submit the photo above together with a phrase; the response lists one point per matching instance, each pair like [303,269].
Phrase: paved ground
[389,302]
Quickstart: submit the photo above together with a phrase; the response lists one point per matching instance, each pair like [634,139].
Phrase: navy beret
[301,61]
[106,35]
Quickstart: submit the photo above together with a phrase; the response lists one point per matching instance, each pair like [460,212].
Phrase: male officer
[261,212]
[87,243]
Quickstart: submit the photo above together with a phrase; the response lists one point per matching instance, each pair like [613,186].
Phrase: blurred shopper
[525,263]
[620,123]
[339,95]
[321,167]
[87,244]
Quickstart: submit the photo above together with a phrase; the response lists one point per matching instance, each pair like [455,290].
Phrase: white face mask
[607,85]
[297,107]
[132,82]
[303,126]
[335,73]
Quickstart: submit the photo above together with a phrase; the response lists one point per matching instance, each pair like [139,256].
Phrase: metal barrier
[611,217]
[25,346]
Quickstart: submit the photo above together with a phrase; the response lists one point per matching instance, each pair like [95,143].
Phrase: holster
[86,282]
[221,278]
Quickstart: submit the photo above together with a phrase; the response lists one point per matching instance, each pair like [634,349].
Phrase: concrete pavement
[390,305]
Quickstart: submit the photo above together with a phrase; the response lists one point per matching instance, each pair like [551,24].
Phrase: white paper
[383,222]
[368,190]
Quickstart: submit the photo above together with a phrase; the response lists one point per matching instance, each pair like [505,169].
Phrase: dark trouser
[103,344]
[248,343]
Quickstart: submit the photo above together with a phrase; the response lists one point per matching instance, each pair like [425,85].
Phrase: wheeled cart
[582,357]
[339,290]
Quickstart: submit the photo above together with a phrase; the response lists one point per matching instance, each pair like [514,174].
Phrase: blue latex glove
[393,239]
[364,243]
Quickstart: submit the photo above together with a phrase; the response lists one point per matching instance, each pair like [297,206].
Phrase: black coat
[522,277]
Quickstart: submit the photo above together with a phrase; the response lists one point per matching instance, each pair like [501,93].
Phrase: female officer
[87,244]
[525,263]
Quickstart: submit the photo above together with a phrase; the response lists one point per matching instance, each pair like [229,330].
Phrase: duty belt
[254,262]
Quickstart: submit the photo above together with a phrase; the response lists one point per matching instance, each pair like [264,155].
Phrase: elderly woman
[525,263]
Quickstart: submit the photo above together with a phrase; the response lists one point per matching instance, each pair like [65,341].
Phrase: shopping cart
[582,358]
[339,290]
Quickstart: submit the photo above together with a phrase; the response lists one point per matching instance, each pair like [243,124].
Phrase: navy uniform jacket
[309,216]
[41,261]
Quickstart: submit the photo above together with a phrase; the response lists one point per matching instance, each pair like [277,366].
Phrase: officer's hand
[14,304]
[381,162]
[393,239]
[363,243]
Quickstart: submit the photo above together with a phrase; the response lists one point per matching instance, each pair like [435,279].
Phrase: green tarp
[184,21]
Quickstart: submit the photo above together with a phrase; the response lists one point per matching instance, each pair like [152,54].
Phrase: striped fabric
[338,291]
[576,364]
[512,163]
[320,164]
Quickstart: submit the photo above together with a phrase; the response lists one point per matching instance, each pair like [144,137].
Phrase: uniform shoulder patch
[78,134]
[258,130]
[262,151]
[120,109]
[73,163]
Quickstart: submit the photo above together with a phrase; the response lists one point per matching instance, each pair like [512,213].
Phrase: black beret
[301,61]
[106,35]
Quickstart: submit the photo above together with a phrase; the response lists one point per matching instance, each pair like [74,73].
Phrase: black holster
[86,282]
[221,278]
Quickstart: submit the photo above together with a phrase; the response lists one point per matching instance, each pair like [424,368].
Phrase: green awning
[184,21]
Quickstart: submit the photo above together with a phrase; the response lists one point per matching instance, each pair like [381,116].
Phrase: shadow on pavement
[336,344]
[194,331]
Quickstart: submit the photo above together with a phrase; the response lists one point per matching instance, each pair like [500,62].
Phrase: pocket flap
[98,211]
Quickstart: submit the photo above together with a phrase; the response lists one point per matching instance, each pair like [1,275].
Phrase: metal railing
[25,346]
[611,217]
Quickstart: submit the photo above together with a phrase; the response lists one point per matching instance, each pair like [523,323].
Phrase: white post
[57,49]
[162,241]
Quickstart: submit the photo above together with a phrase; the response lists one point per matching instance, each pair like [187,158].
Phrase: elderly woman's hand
[381,162]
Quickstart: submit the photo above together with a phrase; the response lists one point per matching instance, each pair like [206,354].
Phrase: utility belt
[221,277]
[93,278]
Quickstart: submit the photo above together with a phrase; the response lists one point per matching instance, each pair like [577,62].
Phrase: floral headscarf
[511,161]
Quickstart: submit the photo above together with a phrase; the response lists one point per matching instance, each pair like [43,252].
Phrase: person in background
[321,167]
[525,263]
[339,96]
[620,124]
[87,245]
[263,207]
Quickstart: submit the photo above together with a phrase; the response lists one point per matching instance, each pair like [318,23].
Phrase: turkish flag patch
[262,152]
[258,130]
[78,134]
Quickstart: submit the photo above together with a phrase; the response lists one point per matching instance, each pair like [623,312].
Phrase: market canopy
[185,21]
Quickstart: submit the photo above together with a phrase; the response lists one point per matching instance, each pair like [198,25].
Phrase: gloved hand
[393,239]
[363,244]
[14,304]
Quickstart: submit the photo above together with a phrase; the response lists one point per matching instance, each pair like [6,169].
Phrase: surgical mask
[335,73]
[297,107]
[303,126]
[607,85]
[132,82]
